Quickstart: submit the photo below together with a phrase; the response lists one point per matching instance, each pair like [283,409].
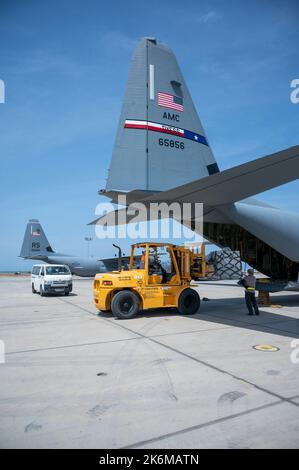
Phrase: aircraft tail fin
[35,243]
[160,141]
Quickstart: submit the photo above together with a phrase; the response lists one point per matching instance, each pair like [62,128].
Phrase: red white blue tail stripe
[165,129]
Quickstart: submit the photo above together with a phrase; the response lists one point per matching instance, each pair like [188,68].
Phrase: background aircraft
[162,154]
[36,246]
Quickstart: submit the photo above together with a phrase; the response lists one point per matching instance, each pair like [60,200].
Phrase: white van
[51,278]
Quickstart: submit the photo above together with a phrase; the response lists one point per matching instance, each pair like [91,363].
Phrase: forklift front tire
[189,302]
[125,304]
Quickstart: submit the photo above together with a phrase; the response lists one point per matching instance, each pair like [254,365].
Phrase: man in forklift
[155,267]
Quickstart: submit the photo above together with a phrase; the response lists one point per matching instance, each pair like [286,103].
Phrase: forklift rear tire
[125,304]
[189,302]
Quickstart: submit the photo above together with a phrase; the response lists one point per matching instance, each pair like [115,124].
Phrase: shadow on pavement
[233,312]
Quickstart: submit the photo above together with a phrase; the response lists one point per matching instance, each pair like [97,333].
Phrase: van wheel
[66,292]
[33,290]
[41,291]
[125,304]
[189,302]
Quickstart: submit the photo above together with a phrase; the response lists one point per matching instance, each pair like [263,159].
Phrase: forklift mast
[189,260]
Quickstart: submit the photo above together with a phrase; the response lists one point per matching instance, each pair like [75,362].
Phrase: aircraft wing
[111,264]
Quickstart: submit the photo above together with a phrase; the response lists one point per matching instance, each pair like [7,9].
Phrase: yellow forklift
[159,275]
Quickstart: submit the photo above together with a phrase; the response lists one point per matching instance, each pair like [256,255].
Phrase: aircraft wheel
[125,304]
[33,290]
[189,302]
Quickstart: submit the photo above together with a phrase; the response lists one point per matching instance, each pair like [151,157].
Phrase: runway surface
[73,378]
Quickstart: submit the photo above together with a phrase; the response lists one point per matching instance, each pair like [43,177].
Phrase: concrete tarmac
[73,378]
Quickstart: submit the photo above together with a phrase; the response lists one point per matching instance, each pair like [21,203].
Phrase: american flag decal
[35,232]
[170,101]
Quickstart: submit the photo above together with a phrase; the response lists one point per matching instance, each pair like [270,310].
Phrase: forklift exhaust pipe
[119,255]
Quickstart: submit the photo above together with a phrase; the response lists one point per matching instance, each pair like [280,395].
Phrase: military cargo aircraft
[36,246]
[162,154]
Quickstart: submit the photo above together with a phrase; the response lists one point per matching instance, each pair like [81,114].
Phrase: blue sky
[65,67]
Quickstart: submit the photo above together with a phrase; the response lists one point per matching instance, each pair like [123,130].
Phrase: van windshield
[54,270]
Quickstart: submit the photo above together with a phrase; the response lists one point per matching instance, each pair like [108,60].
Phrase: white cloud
[210,17]
[115,41]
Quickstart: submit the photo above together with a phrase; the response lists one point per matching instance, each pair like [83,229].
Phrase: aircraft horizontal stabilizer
[124,216]
[239,182]
[228,186]
[131,196]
